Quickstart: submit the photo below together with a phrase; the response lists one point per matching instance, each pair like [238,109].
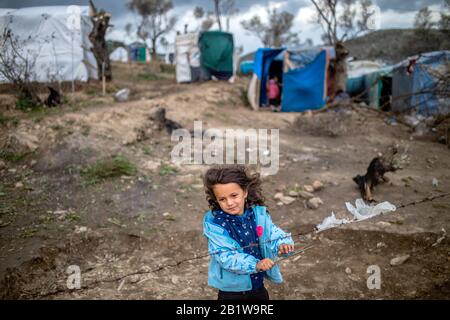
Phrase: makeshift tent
[138,52]
[303,74]
[56,38]
[371,81]
[202,56]
[418,84]
[119,54]
[246,67]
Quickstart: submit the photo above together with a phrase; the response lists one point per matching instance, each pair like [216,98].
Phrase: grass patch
[148,77]
[168,68]
[110,168]
[167,170]
[12,157]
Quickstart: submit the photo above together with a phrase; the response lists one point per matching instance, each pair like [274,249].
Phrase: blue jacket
[229,269]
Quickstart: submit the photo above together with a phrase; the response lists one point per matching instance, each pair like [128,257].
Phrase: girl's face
[231,197]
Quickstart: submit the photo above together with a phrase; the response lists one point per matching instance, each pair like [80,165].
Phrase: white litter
[361,212]
[331,222]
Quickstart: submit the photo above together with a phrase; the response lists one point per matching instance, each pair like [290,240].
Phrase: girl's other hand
[285,248]
[264,264]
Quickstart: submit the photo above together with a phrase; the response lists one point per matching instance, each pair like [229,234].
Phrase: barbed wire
[203,256]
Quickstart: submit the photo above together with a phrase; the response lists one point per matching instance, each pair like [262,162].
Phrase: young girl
[242,240]
[273,93]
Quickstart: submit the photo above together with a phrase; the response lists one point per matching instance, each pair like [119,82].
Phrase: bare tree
[100,20]
[17,66]
[206,20]
[340,27]
[229,9]
[155,22]
[444,23]
[276,33]
[217,12]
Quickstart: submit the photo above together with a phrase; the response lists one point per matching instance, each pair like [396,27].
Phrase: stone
[348,270]
[314,203]
[19,185]
[399,260]
[308,188]
[287,200]
[293,193]
[381,245]
[174,279]
[317,185]
[305,195]
[278,195]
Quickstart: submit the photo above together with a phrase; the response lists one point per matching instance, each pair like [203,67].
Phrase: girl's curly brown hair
[239,174]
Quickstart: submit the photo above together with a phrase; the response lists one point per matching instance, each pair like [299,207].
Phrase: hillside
[394,45]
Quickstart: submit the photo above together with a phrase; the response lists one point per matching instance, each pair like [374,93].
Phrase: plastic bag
[363,211]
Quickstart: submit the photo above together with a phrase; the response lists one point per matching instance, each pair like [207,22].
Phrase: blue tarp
[246,67]
[303,88]
[263,59]
[418,90]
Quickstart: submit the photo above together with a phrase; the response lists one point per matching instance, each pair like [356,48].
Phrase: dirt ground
[133,236]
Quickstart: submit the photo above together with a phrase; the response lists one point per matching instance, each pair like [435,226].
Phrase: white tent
[119,54]
[56,38]
[187,55]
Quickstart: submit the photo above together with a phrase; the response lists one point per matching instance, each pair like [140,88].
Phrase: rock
[399,260]
[293,193]
[122,95]
[381,245]
[79,229]
[305,195]
[348,270]
[33,162]
[19,185]
[287,200]
[279,204]
[278,196]
[317,185]
[134,278]
[308,188]
[435,182]
[383,224]
[174,279]
[314,203]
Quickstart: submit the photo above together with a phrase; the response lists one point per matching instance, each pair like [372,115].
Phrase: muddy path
[120,231]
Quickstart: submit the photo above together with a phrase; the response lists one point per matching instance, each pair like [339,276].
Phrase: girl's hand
[264,264]
[285,248]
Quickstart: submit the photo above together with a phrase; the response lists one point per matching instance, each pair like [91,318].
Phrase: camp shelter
[138,52]
[371,81]
[119,54]
[421,84]
[246,67]
[303,75]
[56,40]
[203,56]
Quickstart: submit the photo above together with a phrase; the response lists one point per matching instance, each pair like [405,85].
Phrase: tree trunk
[216,9]
[154,50]
[340,68]
[100,20]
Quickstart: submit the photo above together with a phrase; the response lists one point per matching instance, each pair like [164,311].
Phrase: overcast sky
[394,14]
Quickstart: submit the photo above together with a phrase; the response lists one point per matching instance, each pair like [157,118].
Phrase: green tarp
[217,50]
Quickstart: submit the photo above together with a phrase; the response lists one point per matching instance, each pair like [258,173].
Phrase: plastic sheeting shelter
[56,38]
[119,54]
[303,74]
[138,52]
[201,56]
[419,90]
[371,81]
